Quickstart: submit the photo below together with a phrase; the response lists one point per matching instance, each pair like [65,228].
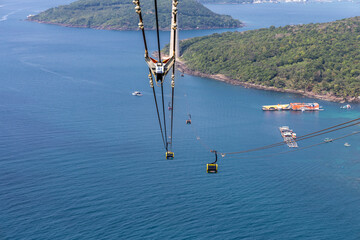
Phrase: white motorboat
[327,140]
[137,93]
[347,106]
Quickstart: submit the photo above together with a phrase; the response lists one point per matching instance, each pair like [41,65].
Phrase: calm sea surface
[81,158]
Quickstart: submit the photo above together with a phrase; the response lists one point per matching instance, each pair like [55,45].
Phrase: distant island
[316,60]
[120,15]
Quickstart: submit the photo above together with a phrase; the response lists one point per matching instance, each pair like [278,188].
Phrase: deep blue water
[82,159]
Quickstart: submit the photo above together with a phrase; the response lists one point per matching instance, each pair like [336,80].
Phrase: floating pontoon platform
[289,136]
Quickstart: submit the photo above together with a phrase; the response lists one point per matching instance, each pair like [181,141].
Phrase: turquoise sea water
[80,158]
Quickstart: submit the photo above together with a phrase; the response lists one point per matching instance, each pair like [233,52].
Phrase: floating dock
[289,136]
[279,107]
[305,107]
[293,107]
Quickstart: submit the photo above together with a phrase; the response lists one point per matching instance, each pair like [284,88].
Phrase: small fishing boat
[347,144]
[137,93]
[328,140]
[347,106]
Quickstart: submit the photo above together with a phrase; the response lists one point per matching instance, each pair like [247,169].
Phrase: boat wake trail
[5,17]
[44,69]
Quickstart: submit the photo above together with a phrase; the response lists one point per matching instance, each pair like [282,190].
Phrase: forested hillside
[319,58]
[120,15]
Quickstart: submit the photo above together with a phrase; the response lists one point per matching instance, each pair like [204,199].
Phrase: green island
[317,60]
[120,15]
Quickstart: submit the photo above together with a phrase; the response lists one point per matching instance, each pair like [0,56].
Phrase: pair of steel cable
[162,82]
[301,138]
[151,73]
[297,149]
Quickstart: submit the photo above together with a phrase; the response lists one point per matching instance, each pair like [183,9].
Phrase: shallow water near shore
[81,158]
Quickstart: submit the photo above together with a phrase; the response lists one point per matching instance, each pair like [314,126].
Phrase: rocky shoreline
[181,66]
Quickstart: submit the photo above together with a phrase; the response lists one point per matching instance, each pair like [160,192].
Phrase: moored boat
[328,140]
[305,106]
[137,93]
[347,106]
[278,107]
[289,136]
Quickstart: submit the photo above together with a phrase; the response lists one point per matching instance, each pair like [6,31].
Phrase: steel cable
[163,107]
[309,135]
[172,109]
[158,114]
[298,149]
[157,29]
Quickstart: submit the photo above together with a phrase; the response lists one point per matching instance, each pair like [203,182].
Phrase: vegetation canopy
[318,58]
[120,15]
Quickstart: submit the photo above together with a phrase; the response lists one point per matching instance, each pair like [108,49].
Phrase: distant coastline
[271,1]
[181,66]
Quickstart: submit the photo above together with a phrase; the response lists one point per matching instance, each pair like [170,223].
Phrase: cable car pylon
[159,68]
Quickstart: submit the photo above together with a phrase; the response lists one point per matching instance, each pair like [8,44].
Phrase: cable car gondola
[188,121]
[212,167]
[169,155]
